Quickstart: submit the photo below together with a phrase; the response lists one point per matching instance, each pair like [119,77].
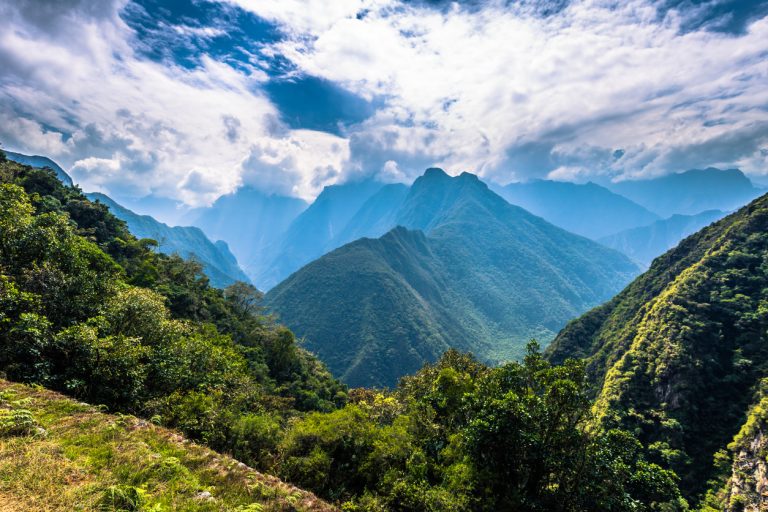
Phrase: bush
[121,498]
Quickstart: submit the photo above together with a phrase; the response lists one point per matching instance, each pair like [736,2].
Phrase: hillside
[41,162]
[251,222]
[188,242]
[57,454]
[89,310]
[643,244]
[678,355]
[690,192]
[479,274]
[585,209]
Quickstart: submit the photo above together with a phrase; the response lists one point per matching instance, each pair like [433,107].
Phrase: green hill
[57,454]
[479,275]
[188,242]
[678,356]
[88,310]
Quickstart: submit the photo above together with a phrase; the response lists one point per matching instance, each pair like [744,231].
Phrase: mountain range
[251,222]
[690,192]
[680,357]
[464,269]
[585,209]
[188,242]
[645,243]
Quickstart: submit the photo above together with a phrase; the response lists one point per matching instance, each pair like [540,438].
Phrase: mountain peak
[435,173]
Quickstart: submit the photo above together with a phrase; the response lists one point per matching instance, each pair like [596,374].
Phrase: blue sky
[190,99]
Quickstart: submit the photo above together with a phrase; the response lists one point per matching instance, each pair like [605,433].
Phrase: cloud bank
[195,105]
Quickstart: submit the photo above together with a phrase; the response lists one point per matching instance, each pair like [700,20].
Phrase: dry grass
[82,453]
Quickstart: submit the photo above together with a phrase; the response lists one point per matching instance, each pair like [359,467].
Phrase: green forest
[642,404]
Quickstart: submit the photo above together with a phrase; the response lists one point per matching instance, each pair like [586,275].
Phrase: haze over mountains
[690,192]
[251,222]
[188,242]
[645,243]
[470,271]
[589,210]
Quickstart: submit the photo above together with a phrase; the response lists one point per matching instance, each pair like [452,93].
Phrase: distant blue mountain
[585,209]
[251,222]
[316,230]
[645,243]
[41,162]
[188,242]
[376,216]
[690,192]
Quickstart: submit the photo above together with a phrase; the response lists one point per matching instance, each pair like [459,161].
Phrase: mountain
[690,192]
[189,242]
[311,234]
[644,243]
[681,354]
[251,222]
[64,455]
[585,209]
[41,162]
[375,217]
[470,271]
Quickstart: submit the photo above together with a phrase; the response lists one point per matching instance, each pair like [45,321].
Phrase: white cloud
[497,89]
[132,125]
[474,85]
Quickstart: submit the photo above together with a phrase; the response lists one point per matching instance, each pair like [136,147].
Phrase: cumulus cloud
[511,93]
[72,87]
[569,90]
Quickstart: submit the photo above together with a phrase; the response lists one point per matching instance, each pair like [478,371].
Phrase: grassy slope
[83,453]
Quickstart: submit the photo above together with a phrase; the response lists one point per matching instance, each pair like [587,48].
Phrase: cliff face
[743,486]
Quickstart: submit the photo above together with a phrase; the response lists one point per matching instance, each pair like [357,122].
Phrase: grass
[60,455]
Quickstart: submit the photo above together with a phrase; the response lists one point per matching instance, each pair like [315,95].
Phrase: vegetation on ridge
[677,356]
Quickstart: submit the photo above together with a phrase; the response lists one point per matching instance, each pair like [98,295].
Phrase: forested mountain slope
[480,275]
[678,356]
[41,162]
[188,242]
[87,309]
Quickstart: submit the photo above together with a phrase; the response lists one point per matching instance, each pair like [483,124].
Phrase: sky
[191,99]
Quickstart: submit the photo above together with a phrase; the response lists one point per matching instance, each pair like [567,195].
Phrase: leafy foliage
[88,309]
[461,436]
[677,356]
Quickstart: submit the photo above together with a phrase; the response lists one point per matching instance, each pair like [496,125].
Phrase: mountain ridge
[457,257]
[187,241]
[678,354]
